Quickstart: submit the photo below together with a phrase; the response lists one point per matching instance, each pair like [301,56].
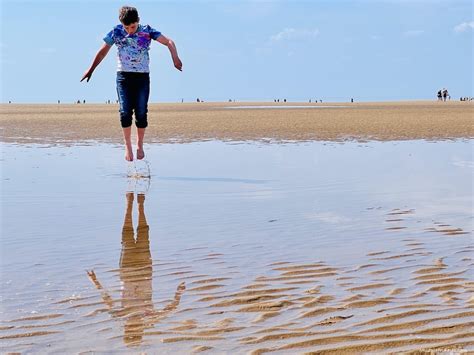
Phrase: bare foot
[128,154]
[140,153]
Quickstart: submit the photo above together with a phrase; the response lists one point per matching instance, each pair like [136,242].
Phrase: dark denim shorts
[133,90]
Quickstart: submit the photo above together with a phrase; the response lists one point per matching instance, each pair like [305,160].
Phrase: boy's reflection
[136,274]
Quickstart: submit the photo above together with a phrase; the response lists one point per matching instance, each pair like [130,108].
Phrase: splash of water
[138,176]
[139,171]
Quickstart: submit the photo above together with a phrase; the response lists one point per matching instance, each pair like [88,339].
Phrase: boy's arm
[98,58]
[174,53]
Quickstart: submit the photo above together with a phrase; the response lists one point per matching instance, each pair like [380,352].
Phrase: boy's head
[128,16]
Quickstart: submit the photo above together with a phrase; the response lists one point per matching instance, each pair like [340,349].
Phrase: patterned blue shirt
[132,50]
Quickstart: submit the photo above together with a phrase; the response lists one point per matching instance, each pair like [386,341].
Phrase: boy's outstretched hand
[97,59]
[88,75]
[177,64]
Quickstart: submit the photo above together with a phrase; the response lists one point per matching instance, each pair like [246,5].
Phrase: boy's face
[131,28]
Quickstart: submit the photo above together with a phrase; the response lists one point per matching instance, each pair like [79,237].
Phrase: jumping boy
[133,73]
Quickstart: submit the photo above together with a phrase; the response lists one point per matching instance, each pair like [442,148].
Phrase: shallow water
[234,239]
[276,107]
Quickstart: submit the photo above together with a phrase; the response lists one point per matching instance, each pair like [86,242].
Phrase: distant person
[59,101]
[440,95]
[445,94]
[284,100]
[84,101]
[133,74]
[352,100]
[9,102]
[197,100]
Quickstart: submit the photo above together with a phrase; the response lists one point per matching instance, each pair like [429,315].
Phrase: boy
[133,73]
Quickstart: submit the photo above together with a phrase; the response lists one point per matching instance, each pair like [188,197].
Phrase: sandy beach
[207,121]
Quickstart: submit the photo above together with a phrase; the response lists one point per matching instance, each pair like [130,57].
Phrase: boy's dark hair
[128,15]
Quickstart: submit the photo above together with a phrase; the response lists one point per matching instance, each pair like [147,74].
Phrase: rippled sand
[406,300]
[205,121]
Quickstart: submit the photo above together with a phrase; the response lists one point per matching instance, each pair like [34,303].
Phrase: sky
[244,50]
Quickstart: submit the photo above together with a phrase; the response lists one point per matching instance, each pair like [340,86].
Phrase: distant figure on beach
[59,101]
[9,102]
[136,306]
[440,95]
[446,94]
[133,74]
[197,100]
[352,100]
[284,100]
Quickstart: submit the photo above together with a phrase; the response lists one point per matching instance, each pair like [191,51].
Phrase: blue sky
[245,50]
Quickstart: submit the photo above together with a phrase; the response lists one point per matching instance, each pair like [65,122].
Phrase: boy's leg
[141,111]
[127,138]
[125,96]
[140,137]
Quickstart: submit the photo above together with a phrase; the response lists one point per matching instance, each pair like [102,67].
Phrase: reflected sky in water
[221,193]
[63,208]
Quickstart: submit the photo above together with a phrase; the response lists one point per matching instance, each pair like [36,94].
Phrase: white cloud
[463,27]
[413,33]
[294,33]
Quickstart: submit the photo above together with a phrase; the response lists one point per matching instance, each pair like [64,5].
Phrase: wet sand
[424,305]
[207,121]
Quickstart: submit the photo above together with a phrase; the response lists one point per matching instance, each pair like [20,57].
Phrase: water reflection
[136,306]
